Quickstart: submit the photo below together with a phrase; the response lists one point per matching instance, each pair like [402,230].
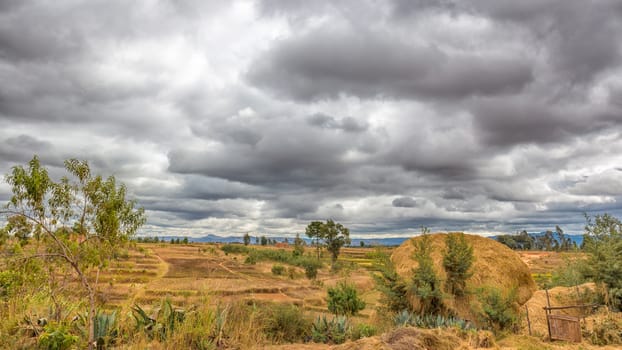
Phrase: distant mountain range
[386,241]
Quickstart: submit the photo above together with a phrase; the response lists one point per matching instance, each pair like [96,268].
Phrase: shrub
[57,337]
[278,270]
[234,249]
[498,310]
[362,330]
[343,300]
[311,270]
[286,323]
[390,284]
[333,331]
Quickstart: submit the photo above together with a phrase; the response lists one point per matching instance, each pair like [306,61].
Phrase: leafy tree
[247,239]
[457,261]
[335,236]
[343,300]
[315,233]
[393,288]
[264,240]
[603,242]
[96,208]
[299,246]
[425,284]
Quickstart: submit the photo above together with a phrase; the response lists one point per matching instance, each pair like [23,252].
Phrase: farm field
[202,274]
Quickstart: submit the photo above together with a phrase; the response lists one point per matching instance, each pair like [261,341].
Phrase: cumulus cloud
[233,116]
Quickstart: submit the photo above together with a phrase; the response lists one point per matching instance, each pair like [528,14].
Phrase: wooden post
[528,322]
[548,312]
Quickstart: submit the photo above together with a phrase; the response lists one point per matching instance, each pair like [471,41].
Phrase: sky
[227,117]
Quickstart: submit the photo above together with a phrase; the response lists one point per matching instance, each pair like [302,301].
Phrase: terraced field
[201,273]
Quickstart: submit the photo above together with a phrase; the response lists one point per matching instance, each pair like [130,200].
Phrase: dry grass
[495,265]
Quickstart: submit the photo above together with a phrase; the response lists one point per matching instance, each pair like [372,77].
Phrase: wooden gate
[564,327]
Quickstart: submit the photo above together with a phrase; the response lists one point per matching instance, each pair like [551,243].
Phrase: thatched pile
[410,338]
[495,266]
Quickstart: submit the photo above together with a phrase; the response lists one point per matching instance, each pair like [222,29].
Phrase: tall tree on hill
[457,261]
[103,220]
[393,288]
[247,239]
[425,284]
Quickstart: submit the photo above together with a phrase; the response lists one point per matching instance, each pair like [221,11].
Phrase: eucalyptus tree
[79,221]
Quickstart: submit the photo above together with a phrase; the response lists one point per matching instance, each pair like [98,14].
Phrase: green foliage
[162,324]
[457,261]
[56,337]
[278,270]
[332,235]
[393,288]
[315,233]
[106,328]
[247,239]
[343,300]
[333,331]
[425,284]
[405,318]
[264,240]
[603,242]
[286,323]
[499,312]
[101,218]
[362,330]
[310,269]
[299,246]
[234,249]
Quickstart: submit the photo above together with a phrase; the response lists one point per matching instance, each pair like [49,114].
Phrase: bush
[278,270]
[343,300]
[499,311]
[286,323]
[311,270]
[333,331]
[57,337]
[390,284]
[234,249]
[362,330]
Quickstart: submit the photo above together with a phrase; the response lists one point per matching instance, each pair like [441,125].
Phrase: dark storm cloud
[250,116]
[404,202]
[328,62]
[347,124]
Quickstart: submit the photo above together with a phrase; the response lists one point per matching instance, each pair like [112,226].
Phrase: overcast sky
[228,117]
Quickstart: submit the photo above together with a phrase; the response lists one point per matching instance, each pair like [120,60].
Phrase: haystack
[495,266]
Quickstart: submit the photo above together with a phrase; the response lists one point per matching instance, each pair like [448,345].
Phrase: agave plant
[334,330]
[106,332]
[162,323]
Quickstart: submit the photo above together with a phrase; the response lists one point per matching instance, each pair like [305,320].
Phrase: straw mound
[558,296]
[408,339]
[495,265]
